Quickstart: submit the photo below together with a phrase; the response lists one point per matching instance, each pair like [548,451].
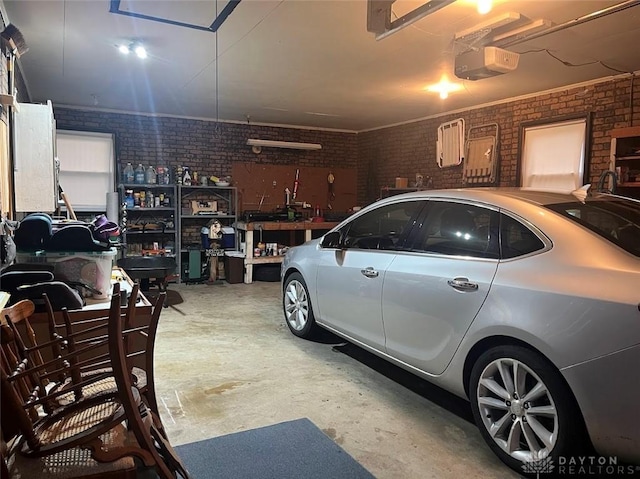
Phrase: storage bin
[228,237]
[234,267]
[91,268]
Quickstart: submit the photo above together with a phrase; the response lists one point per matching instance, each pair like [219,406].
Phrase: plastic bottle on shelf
[128,200]
[139,175]
[162,174]
[186,179]
[128,175]
[150,175]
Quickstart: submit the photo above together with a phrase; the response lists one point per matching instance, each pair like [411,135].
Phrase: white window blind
[553,155]
[87,165]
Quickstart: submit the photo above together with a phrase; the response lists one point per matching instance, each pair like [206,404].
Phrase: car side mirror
[332,240]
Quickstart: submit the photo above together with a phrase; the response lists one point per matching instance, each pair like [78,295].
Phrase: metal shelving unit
[148,225]
[197,207]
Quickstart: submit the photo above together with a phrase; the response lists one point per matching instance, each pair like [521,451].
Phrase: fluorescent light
[283,144]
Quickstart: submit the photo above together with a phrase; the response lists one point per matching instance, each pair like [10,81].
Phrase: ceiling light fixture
[444,87]
[140,51]
[484,6]
[283,144]
[136,47]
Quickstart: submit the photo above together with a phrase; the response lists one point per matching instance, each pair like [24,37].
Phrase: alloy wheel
[517,410]
[296,305]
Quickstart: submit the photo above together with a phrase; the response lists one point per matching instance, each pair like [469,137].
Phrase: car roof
[499,196]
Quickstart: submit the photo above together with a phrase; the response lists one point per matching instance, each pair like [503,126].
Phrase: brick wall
[206,146]
[407,149]
[379,156]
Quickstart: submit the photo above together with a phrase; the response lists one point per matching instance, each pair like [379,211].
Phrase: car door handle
[462,284]
[369,272]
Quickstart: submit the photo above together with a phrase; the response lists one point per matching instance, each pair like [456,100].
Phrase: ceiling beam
[379,16]
[218,21]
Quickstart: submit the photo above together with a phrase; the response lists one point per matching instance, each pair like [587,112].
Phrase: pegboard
[257,182]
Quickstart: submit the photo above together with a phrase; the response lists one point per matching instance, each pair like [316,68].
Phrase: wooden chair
[147,426]
[89,339]
[83,342]
[24,398]
[90,429]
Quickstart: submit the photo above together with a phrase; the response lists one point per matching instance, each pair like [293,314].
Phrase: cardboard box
[402,182]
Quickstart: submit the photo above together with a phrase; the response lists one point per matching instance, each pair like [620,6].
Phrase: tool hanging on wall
[296,183]
[331,195]
[264,195]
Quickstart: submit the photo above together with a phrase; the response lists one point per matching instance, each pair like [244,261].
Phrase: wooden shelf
[625,160]
[264,259]
[285,225]
[625,132]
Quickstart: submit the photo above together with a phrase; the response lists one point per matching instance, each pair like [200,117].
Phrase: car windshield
[612,217]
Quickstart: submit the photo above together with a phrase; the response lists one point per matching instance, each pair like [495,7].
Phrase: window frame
[551,124]
[112,173]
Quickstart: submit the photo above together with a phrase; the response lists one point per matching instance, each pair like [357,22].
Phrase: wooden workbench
[248,228]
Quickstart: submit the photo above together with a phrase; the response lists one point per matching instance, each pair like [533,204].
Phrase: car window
[383,228]
[613,218]
[459,229]
[516,239]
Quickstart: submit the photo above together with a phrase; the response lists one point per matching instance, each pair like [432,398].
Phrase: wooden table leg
[248,265]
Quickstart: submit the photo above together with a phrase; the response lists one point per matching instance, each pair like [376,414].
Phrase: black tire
[524,418]
[296,305]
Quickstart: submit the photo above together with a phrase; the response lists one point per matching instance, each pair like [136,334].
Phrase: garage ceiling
[310,63]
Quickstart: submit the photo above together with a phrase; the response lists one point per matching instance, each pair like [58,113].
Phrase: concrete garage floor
[226,362]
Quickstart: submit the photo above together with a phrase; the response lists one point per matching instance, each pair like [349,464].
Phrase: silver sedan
[525,302]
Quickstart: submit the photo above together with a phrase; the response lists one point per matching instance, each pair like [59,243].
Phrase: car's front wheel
[297,307]
[523,408]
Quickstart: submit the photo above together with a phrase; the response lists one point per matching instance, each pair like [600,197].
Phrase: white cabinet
[34,167]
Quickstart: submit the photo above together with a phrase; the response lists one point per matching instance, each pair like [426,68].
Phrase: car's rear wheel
[523,408]
[297,307]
